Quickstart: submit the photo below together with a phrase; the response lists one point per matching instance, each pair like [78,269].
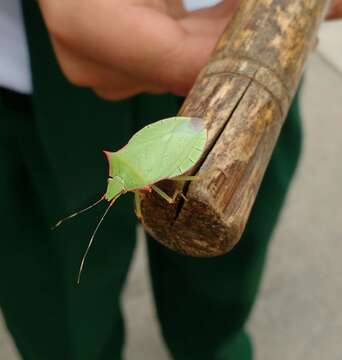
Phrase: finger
[335,11]
[116,95]
[141,53]
[212,20]
[85,72]
[108,93]
[205,26]
[175,8]
[187,61]
[107,84]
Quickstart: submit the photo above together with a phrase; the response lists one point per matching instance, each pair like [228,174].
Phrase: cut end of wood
[189,227]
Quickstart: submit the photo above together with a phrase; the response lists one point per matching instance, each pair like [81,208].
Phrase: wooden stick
[243,95]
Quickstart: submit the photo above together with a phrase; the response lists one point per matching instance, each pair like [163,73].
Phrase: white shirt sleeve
[15,73]
[191,5]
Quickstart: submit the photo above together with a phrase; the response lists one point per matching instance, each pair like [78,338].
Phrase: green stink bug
[166,149]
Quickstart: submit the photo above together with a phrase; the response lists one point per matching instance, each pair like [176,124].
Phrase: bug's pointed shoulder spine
[109,157]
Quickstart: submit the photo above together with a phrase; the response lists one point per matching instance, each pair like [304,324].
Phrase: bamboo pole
[243,95]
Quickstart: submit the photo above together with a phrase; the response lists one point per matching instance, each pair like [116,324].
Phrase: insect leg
[60,222]
[183,196]
[168,198]
[137,200]
[182,179]
[163,194]
[179,191]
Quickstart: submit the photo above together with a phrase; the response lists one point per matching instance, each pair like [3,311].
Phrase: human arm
[121,48]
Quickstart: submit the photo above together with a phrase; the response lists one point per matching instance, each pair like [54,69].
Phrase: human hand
[335,10]
[121,48]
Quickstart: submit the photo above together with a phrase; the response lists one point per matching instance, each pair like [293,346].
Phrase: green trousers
[51,164]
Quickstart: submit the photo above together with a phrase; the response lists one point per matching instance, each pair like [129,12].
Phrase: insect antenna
[60,222]
[92,240]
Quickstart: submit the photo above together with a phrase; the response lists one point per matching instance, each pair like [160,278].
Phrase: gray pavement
[298,313]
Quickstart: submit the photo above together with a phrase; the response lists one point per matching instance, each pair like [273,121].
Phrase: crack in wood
[217,137]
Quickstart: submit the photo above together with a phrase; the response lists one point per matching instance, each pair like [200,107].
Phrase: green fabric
[51,164]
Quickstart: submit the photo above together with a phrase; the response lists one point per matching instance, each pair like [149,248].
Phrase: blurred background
[298,313]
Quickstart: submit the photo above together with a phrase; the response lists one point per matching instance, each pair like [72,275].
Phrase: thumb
[335,10]
[184,65]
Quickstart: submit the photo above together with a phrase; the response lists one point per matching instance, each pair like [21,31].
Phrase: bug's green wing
[166,148]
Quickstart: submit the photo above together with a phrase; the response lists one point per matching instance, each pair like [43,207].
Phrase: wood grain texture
[243,95]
